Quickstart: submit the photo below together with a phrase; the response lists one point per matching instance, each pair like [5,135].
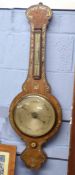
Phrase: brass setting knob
[33,144]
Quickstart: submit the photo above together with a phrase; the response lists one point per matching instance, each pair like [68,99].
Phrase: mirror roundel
[34,115]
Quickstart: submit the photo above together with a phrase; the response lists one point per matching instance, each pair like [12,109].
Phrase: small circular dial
[34,115]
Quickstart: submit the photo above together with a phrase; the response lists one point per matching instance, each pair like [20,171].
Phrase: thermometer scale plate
[37,55]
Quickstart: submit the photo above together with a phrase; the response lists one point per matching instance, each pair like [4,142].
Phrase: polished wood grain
[71,162]
[33,156]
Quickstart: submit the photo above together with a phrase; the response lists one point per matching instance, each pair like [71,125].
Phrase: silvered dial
[34,115]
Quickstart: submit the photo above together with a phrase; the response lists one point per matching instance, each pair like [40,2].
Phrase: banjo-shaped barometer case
[35,114]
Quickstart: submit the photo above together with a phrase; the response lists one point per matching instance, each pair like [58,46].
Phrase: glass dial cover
[34,115]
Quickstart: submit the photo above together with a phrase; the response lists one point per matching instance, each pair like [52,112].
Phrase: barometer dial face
[34,115]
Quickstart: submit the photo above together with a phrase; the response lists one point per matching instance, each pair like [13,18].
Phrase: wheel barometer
[34,113]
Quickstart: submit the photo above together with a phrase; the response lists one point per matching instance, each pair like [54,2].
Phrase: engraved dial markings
[34,115]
